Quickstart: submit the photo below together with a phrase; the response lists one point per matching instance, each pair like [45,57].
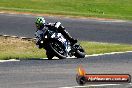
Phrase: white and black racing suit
[53,27]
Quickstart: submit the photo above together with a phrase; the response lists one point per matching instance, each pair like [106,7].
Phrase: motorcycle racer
[42,26]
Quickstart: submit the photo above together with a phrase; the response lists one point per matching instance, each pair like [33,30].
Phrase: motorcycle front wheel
[58,49]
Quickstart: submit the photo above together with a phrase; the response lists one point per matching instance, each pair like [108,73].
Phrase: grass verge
[120,9]
[11,48]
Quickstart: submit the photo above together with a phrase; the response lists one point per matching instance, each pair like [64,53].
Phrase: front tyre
[49,55]
[58,49]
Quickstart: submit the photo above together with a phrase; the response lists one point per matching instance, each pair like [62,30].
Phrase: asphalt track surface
[62,73]
[82,29]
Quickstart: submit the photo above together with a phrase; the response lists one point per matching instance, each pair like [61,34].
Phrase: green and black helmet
[40,21]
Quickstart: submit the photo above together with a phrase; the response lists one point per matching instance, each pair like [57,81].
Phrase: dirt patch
[53,15]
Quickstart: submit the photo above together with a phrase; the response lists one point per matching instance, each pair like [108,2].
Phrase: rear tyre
[79,54]
[79,51]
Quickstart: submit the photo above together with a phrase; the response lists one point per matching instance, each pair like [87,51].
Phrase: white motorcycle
[57,45]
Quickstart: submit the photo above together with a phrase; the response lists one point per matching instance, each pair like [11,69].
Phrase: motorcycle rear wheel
[79,54]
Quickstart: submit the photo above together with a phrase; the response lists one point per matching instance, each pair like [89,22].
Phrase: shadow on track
[44,58]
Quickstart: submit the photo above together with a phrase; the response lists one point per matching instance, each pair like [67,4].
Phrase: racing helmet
[40,21]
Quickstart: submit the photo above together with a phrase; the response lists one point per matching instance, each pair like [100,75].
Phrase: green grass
[11,48]
[100,48]
[16,48]
[119,9]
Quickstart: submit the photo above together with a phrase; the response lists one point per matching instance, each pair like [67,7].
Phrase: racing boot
[73,41]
